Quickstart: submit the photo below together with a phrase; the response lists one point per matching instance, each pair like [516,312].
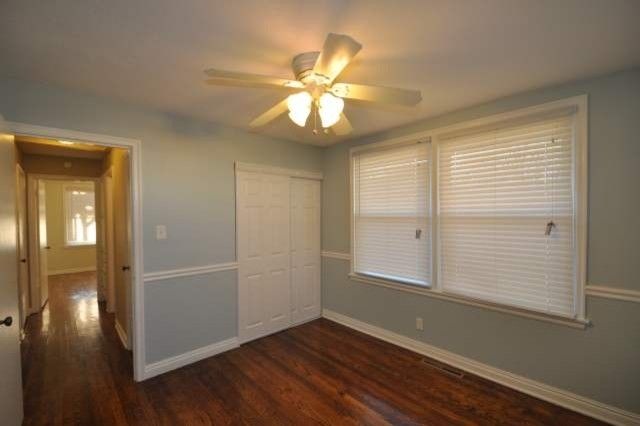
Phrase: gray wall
[188,185]
[601,362]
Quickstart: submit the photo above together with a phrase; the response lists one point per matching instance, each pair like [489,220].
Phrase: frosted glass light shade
[330,108]
[299,105]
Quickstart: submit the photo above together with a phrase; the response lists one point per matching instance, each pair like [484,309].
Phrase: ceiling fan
[314,87]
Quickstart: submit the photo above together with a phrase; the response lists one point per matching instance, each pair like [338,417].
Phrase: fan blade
[270,114]
[337,52]
[233,78]
[388,95]
[343,126]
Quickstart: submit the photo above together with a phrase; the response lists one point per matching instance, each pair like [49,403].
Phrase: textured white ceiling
[459,53]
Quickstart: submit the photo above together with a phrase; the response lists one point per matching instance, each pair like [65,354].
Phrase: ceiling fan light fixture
[299,105]
[330,107]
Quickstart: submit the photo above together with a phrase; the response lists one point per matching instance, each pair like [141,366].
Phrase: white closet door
[263,204]
[305,249]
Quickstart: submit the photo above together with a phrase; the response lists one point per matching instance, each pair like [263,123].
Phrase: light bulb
[330,108]
[299,106]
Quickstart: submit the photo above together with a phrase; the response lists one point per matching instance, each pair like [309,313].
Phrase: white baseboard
[190,357]
[543,391]
[122,335]
[72,270]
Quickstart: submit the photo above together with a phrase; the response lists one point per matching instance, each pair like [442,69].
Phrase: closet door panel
[252,280]
[277,229]
[263,206]
[305,254]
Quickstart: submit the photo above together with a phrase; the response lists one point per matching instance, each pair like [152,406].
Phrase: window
[506,215]
[80,219]
[507,195]
[392,236]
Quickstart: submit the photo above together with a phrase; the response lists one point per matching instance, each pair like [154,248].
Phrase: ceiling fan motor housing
[303,64]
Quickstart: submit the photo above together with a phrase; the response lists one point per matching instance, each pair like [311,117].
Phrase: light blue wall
[208,299]
[602,362]
[188,185]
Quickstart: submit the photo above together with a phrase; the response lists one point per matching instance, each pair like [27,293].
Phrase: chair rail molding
[335,255]
[190,271]
[611,292]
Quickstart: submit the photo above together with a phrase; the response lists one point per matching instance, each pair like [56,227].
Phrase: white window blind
[506,216]
[80,215]
[392,235]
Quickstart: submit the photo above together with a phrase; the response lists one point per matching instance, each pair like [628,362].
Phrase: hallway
[74,365]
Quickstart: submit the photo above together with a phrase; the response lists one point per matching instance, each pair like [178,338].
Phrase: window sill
[426,291]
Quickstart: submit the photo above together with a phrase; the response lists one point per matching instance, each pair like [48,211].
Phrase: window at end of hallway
[80,215]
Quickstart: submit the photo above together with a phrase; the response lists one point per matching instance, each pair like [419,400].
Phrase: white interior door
[122,243]
[264,293]
[305,249]
[23,247]
[101,252]
[108,258]
[10,373]
[43,245]
[35,248]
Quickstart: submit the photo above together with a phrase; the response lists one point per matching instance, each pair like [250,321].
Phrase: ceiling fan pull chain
[315,118]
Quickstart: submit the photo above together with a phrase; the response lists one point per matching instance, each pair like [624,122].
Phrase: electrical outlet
[419,324]
[161,232]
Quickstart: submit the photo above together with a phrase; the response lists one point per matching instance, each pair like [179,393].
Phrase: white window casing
[391,213]
[493,187]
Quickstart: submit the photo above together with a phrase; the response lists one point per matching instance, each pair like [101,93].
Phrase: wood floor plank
[75,371]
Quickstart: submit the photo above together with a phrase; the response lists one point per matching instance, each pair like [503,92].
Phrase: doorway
[78,220]
[76,297]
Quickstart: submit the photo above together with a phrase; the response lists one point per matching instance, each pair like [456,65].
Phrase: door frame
[32,199]
[137,282]
[24,291]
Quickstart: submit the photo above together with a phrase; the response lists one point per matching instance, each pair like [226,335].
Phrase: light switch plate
[419,324]
[161,232]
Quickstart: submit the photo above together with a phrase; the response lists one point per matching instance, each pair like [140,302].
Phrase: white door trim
[134,147]
[272,170]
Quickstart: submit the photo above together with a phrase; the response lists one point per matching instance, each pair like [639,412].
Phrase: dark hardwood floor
[76,372]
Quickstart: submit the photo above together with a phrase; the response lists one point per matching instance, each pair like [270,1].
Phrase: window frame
[66,187]
[353,152]
[577,105]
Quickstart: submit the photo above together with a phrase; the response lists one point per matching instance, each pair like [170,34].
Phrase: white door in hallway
[23,247]
[305,249]
[262,206]
[38,274]
[10,372]
[43,244]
